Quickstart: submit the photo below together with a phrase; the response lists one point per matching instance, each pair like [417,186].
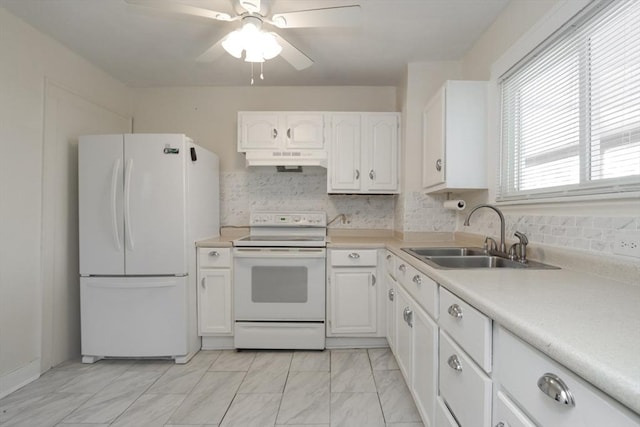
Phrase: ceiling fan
[257,44]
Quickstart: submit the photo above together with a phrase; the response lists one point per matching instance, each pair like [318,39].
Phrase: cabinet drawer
[467,389]
[354,257]
[214,257]
[508,413]
[443,416]
[467,326]
[390,261]
[423,289]
[519,367]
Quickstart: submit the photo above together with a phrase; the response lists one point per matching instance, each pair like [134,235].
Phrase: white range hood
[286,158]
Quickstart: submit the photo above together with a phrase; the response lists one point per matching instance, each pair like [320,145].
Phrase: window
[571,109]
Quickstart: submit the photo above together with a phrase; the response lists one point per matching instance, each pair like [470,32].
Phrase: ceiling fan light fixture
[270,46]
[234,44]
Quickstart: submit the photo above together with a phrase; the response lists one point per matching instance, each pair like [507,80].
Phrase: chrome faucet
[518,251]
[503,247]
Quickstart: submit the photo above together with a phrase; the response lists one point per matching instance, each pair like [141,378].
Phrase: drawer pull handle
[454,363]
[417,279]
[402,268]
[388,257]
[373,280]
[408,316]
[214,253]
[354,255]
[392,294]
[556,389]
[455,311]
[500,424]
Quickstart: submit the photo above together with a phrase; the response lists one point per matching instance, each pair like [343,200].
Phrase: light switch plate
[627,243]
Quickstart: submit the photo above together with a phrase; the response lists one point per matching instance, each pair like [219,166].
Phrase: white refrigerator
[144,200]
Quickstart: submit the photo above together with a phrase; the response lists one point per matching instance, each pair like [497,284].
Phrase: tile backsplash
[266,189]
[590,233]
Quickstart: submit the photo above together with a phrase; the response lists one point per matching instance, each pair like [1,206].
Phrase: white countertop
[589,324]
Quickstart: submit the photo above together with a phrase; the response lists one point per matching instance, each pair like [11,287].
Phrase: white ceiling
[145,47]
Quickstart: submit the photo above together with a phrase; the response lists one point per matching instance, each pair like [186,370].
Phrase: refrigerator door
[133,316]
[100,191]
[155,204]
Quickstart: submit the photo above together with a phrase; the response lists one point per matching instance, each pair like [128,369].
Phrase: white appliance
[144,199]
[280,281]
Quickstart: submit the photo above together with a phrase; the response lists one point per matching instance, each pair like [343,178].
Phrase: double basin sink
[468,257]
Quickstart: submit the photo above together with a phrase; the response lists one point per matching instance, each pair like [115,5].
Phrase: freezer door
[100,190]
[134,316]
[155,204]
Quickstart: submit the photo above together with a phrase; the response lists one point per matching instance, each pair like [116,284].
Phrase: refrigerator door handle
[114,193]
[127,207]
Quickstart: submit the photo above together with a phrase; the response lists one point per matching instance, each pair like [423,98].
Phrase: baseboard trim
[20,377]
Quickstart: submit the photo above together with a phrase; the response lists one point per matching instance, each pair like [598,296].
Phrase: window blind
[571,110]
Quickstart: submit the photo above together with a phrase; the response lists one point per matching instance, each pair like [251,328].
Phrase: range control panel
[288,219]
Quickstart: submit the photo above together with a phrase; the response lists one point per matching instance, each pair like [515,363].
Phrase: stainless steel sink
[430,252]
[468,257]
[476,262]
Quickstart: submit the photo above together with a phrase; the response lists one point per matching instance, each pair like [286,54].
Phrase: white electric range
[280,280]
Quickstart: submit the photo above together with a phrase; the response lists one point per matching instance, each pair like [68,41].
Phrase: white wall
[28,60]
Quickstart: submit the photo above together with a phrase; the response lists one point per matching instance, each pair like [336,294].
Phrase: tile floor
[351,388]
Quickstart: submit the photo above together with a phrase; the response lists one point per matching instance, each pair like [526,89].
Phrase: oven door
[279,284]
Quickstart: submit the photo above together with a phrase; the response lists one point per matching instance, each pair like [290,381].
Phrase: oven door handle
[279,252]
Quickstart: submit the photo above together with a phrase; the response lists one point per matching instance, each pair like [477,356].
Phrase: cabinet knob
[275,133]
[392,294]
[372,174]
[214,253]
[202,283]
[500,424]
[455,310]
[357,174]
[454,363]
[439,165]
[556,389]
[373,280]
[388,257]
[402,268]
[354,255]
[417,279]
[407,314]
[289,133]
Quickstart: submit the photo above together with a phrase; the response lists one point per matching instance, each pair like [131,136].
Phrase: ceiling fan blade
[293,55]
[184,9]
[345,16]
[213,53]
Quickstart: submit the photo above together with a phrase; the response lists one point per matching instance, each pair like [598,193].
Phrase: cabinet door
[214,302]
[390,304]
[345,173]
[304,130]
[403,334]
[258,131]
[380,150]
[353,301]
[433,161]
[425,364]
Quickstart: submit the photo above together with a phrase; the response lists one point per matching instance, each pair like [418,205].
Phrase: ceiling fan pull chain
[252,74]
[261,71]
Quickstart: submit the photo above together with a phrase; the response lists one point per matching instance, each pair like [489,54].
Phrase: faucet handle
[490,244]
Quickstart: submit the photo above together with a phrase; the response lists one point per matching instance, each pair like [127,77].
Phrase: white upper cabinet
[273,130]
[363,153]
[454,138]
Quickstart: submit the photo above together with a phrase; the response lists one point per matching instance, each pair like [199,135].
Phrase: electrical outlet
[627,243]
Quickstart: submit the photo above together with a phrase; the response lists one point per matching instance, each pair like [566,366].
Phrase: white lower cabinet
[215,316]
[416,352]
[463,385]
[353,293]
[425,364]
[443,415]
[390,304]
[547,392]
[507,414]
